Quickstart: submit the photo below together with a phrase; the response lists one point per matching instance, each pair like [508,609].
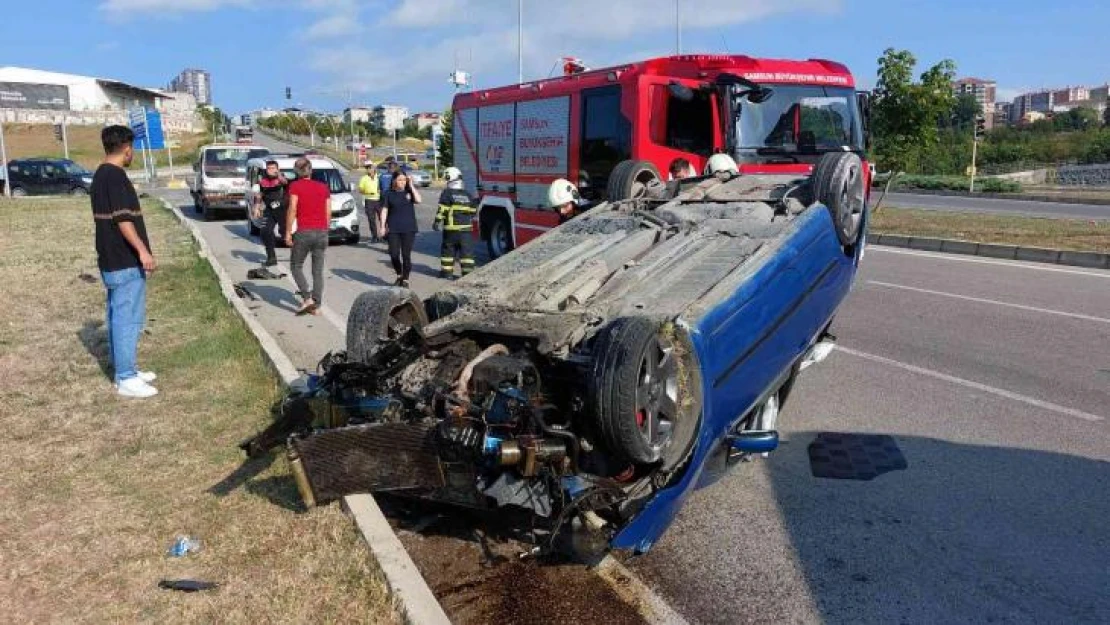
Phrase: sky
[331,52]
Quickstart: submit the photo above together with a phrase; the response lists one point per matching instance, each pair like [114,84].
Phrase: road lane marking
[982,300]
[628,586]
[985,261]
[1025,399]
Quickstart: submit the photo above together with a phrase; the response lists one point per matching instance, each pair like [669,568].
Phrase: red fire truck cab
[771,115]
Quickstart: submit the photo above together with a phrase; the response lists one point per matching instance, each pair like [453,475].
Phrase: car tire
[499,236]
[838,183]
[197,206]
[381,315]
[79,191]
[19,192]
[633,180]
[644,395]
[353,239]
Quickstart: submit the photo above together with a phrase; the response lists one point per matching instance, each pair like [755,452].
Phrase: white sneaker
[135,387]
[148,376]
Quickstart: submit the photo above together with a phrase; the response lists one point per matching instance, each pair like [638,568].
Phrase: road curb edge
[1091,260]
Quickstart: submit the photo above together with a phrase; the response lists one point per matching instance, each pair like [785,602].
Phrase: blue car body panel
[746,341]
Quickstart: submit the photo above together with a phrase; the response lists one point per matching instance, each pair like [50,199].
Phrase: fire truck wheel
[381,315]
[838,183]
[633,180]
[499,236]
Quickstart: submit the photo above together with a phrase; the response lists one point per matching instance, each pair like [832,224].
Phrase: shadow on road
[966,533]
[274,295]
[353,275]
[250,257]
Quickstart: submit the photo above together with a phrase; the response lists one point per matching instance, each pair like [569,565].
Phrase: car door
[34,179]
[55,178]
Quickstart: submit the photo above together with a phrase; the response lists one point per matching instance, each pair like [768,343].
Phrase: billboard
[147,126]
[23,95]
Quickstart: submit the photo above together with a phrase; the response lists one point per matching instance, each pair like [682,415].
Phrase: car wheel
[634,180]
[645,393]
[353,239]
[500,235]
[381,315]
[79,191]
[838,183]
[19,192]
[197,206]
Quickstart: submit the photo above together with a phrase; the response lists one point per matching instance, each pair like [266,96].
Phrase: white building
[389,117]
[38,96]
[420,121]
[179,113]
[197,82]
[360,114]
[265,113]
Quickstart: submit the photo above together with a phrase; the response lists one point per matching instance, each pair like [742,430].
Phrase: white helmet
[560,192]
[721,163]
[368,163]
[452,174]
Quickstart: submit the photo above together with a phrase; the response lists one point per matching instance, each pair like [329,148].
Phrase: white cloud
[170,6]
[483,36]
[333,26]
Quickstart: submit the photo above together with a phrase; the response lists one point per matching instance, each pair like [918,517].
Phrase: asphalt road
[993,206]
[992,377]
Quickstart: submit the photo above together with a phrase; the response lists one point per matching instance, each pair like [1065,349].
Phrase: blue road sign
[137,121]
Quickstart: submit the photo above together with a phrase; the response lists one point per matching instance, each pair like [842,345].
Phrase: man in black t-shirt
[123,255]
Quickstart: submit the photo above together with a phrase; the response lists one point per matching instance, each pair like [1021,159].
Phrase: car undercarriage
[563,379]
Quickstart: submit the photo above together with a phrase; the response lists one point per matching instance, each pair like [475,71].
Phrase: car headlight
[86,179]
[348,206]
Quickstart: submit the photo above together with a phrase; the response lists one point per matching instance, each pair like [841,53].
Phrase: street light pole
[677,28]
[520,41]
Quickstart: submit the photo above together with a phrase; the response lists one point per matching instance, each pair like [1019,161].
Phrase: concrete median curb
[1024,197]
[416,599]
[1092,260]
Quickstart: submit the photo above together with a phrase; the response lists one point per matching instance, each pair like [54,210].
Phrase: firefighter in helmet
[456,212]
[563,196]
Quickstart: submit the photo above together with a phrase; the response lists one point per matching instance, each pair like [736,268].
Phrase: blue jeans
[126,316]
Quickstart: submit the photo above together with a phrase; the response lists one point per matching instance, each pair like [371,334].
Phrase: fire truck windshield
[798,120]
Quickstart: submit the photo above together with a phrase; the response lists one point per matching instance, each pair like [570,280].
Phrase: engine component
[365,458]
[462,386]
[508,489]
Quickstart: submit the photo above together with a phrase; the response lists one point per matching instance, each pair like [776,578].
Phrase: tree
[906,114]
[965,110]
[1106,116]
[447,141]
[1079,118]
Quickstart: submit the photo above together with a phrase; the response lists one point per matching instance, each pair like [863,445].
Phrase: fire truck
[611,131]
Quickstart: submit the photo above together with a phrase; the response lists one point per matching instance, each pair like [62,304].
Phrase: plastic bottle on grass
[183,546]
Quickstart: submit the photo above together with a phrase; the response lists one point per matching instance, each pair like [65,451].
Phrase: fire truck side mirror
[680,91]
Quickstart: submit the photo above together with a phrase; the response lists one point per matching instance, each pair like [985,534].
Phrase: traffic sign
[137,121]
[152,137]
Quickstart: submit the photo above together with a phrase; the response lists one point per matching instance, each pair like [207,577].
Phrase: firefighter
[456,211]
[721,163]
[563,197]
[370,188]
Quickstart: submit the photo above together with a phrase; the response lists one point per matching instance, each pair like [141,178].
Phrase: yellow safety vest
[369,187]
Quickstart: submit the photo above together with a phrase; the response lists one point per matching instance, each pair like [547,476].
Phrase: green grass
[950,183]
[99,486]
[1065,234]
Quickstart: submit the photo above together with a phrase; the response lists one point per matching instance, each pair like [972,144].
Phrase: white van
[220,182]
[344,217]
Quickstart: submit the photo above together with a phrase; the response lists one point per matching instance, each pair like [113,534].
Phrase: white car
[344,217]
[220,181]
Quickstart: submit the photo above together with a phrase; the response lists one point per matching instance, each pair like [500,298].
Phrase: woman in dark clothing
[397,222]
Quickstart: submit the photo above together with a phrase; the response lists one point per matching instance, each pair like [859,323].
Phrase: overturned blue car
[592,379]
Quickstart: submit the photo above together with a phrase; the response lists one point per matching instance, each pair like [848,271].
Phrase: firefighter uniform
[456,213]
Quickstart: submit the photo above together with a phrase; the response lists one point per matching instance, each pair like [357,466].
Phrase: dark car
[47,176]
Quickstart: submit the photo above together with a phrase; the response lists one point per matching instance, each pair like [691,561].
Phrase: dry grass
[1065,234]
[97,487]
[27,140]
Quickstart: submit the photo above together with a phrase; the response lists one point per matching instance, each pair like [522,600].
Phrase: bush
[952,183]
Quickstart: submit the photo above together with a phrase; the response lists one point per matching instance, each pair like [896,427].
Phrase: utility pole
[978,130]
[4,161]
[520,42]
[65,137]
[677,28]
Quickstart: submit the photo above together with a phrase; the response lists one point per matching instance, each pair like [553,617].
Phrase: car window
[74,169]
[332,178]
